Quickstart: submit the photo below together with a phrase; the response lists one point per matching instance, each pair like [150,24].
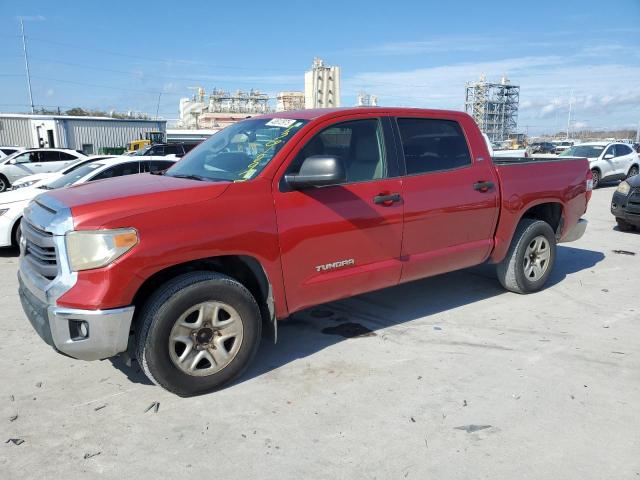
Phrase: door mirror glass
[318,171]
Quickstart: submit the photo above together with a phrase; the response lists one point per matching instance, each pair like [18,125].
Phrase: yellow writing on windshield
[270,145]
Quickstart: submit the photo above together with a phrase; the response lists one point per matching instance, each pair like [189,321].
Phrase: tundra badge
[332,266]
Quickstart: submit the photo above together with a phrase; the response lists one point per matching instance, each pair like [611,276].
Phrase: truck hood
[102,204]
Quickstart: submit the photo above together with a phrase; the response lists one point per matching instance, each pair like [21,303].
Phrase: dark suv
[164,149]
[543,147]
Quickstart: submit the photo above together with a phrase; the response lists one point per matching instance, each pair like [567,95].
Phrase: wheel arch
[245,269]
[550,212]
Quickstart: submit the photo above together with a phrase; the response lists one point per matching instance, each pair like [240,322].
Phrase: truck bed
[537,180]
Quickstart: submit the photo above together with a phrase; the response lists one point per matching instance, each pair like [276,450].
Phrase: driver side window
[609,151]
[359,144]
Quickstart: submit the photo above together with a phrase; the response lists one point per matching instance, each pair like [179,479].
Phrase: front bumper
[576,232]
[627,207]
[107,331]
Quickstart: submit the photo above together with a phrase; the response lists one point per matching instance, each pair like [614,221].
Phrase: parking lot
[452,377]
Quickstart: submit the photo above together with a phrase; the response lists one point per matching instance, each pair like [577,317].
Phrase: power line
[161,60]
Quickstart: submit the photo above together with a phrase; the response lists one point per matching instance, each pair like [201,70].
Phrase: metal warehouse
[89,134]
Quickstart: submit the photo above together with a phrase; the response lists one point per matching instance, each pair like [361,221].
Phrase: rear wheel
[624,226]
[596,177]
[530,258]
[4,183]
[633,171]
[198,332]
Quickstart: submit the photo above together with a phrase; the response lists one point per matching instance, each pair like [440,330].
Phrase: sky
[125,55]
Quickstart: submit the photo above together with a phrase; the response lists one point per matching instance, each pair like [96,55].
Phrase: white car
[6,151]
[607,161]
[40,178]
[13,203]
[35,160]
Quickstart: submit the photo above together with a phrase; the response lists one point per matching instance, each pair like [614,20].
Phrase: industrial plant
[221,108]
[494,107]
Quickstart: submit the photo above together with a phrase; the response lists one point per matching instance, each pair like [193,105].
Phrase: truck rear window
[432,145]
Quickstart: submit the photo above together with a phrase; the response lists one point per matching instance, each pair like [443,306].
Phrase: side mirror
[318,171]
[608,156]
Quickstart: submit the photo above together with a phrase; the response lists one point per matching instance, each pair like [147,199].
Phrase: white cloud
[603,91]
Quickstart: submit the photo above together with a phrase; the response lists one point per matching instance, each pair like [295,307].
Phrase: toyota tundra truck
[184,270]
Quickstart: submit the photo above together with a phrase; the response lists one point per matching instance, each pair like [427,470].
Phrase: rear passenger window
[432,145]
[48,156]
[67,156]
[622,150]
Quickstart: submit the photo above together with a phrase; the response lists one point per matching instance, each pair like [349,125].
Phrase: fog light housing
[78,329]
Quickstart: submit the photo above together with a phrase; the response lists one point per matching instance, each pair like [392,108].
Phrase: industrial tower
[494,106]
[322,86]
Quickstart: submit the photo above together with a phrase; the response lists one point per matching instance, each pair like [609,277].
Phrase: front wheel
[624,226]
[4,184]
[530,258]
[198,332]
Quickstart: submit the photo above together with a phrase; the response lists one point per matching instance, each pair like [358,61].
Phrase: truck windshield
[238,152]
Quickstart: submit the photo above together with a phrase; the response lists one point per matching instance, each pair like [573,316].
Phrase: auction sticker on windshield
[280,122]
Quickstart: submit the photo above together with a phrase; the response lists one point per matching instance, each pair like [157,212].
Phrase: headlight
[623,188]
[3,211]
[24,184]
[98,248]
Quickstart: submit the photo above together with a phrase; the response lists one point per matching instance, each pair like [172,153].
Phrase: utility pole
[569,118]
[158,106]
[26,64]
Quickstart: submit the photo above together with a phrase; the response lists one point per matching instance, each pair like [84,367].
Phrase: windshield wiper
[158,172]
[45,187]
[191,177]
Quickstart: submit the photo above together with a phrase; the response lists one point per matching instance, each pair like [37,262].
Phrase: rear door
[450,197]
[49,161]
[625,157]
[341,240]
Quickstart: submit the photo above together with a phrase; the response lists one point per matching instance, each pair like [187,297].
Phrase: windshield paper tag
[280,122]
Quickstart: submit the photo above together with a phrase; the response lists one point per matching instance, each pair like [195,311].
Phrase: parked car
[279,213]
[13,203]
[36,160]
[625,205]
[40,178]
[561,146]
[163,150]
[6,151]
[607,161]
[542,147]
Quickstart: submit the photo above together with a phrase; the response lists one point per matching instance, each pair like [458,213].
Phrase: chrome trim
[576,232]
[108,331]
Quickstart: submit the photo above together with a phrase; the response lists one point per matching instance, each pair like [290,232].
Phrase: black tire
[596,178]
[4,183]
[633,171]
[624,226]
[17,233]
[162,310]
[511,271]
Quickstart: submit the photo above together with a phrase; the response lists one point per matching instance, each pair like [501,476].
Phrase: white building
[88,134]
[290,101]
[322,86]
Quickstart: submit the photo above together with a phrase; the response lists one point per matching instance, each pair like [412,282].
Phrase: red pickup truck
[274,214]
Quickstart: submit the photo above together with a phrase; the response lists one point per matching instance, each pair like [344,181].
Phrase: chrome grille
[40,250]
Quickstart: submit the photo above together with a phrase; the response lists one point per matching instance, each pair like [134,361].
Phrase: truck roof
[314,113]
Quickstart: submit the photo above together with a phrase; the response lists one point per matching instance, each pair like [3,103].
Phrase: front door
[451,198]
[338,241]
